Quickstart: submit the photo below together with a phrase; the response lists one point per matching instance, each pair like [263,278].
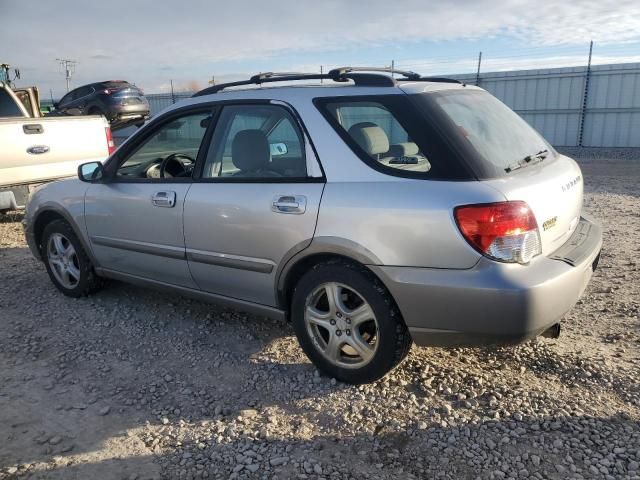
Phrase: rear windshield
[500,137]
[123,88]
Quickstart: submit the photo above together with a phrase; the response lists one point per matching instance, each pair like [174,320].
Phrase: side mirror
[91,172]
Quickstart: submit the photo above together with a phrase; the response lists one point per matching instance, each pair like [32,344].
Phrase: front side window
[169,152]
[256,141]
[377,130]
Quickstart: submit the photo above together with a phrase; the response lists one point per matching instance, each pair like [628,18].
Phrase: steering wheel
[180,159]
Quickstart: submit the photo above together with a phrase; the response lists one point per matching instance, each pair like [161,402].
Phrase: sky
[153,42]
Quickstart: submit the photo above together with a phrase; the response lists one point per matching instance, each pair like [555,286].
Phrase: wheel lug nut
[338,332]
[332,321]
[347,331]
[339,315]
[348,320]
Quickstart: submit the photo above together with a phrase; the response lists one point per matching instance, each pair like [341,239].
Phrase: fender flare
[324,245]
[59,210]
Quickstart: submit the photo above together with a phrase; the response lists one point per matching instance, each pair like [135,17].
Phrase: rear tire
[357,337]
[66,261]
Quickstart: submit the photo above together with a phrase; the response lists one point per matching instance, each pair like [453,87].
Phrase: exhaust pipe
[552,332]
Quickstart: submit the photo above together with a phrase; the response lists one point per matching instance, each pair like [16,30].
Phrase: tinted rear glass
[392,136]
[498,135]
[122,88]
[128,92]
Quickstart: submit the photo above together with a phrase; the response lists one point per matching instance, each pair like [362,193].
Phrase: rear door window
[256,142]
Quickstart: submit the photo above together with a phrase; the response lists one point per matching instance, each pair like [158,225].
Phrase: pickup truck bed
[38,150]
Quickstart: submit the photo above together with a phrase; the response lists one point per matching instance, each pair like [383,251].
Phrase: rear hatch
[125,93]
[553,191]
[510,156]
[130,96]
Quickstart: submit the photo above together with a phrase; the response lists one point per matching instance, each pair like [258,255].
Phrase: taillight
[111,145]
[504,231]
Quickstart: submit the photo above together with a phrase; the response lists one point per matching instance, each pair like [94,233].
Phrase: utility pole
[173,97]
[213,80]
[69,67]
[478,71]
[393,67]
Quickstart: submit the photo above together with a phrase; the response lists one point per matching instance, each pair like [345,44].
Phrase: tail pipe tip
[552,332]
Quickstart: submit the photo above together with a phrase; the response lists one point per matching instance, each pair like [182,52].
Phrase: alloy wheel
[63,260]
[342,325]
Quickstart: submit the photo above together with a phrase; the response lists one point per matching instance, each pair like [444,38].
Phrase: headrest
[250,150]
[405,149]
[370,137]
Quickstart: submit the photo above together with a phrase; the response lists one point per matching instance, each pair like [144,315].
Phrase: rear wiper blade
[541,155]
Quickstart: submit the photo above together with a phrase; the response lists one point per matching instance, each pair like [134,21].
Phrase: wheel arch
[50,213]
[321,250]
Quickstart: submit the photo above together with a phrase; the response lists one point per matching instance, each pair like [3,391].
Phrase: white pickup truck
[36,150]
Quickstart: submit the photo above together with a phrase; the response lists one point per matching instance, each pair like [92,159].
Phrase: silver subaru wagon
[370,211]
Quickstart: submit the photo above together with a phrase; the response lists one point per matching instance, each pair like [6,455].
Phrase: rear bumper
[494,302]
[14,197]
[129,110]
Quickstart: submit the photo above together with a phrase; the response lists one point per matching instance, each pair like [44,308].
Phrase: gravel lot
[133,384]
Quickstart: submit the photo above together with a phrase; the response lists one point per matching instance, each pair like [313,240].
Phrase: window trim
[302,130]
[466,172]
[215,107]
[120,157]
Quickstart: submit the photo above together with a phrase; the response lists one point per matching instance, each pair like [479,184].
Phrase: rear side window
[380,135]
[8,107]
[388,133]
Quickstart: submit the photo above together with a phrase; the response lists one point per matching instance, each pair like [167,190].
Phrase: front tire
[66,261]
[347,323]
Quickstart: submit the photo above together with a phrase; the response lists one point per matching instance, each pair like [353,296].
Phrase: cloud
[191,37]
[100,56]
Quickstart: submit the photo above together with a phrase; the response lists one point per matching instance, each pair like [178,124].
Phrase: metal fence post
[585,96]
[478,71]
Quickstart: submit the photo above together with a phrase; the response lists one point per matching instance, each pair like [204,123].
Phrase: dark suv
[119,101]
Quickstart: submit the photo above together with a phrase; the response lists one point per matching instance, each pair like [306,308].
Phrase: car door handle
[293,204]
[164,199]
[32,128]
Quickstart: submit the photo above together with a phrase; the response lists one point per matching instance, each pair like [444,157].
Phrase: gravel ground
[134,384]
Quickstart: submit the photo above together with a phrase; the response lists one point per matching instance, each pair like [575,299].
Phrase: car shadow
[544,447]
[134,383]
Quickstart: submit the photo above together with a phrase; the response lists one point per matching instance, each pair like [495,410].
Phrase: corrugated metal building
[552,101]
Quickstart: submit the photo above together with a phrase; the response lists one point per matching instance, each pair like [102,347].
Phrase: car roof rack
[361,76]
